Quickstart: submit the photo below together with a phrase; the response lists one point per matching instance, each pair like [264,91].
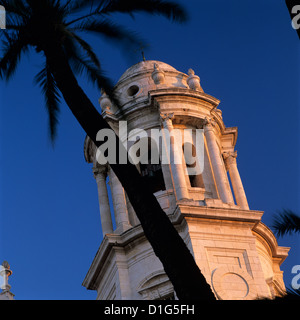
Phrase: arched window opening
[189,151]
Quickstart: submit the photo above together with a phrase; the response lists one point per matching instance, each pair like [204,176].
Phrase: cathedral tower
[203,194]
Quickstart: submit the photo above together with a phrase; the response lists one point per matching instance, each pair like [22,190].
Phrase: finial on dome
[5,265]
[191,72]
[193,81]
[105,102]
[158,75]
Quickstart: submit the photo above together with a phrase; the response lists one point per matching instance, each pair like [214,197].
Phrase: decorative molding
[183,92]
[167,116]
[267,235]
[166,119]
[100,170]
[240,285]
[209,123]
[229,158]
[155,286]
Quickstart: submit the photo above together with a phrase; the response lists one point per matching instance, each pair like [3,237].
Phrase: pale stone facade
[235,251]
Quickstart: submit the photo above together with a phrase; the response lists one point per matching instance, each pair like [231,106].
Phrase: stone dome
[138,80]
[145,67]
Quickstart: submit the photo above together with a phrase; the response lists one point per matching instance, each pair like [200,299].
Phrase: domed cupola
[136,82]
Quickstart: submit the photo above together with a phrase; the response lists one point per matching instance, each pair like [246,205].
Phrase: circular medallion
[233,283]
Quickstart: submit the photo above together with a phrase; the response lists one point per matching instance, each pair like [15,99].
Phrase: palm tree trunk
[178,262]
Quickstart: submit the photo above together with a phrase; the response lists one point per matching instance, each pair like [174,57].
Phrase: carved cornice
[265,233]
[185,92]
[218,213]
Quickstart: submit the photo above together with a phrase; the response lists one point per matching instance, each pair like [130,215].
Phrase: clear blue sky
[246,54]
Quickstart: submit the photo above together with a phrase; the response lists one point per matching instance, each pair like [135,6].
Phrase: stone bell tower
[236,252]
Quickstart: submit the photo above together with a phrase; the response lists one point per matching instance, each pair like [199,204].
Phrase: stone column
[105,214]
[119,202]
[238,189]
[177,172]
[217,163]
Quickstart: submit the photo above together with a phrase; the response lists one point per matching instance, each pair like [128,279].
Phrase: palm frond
[51,93]
[94,74]
[291,294]
[81,5]
[168,9]
[14,7]
[44,24]
[74,6]
[66,6]
[87,48]
[12,49]
[111,31]
[286,222]
[81,62]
